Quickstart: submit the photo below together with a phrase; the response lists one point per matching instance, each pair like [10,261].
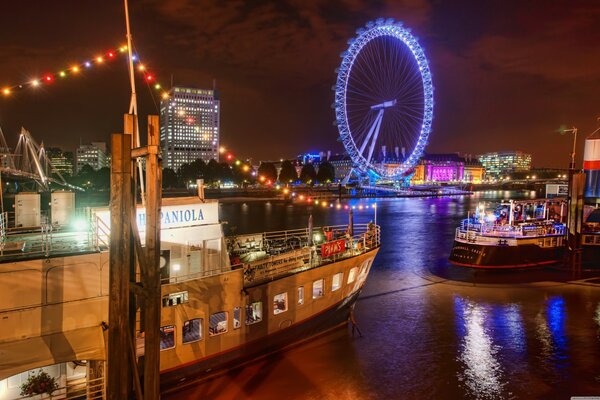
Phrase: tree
[169,178]
[242,173]
[268,170]
[225,172]
[308,174]
[102,179]
[326,172]
[199,167]
[288,172]
[211,172]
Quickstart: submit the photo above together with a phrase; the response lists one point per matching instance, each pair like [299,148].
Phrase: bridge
[29,161]
[412,191]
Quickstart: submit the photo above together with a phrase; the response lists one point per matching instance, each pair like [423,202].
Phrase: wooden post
[151,268]
[119,371]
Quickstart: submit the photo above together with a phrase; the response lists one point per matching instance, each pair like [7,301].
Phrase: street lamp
[574,131]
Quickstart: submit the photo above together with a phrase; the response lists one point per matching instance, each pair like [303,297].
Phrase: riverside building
[499,165]
[189,126]
[93,154]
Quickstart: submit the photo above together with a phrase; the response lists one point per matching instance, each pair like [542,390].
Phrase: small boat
[517,234]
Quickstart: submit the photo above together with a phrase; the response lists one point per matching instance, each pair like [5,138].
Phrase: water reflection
[508,328]
[482,372]
[550,329]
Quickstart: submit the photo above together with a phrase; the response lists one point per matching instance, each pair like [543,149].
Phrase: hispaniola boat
[516,234]
[225,299]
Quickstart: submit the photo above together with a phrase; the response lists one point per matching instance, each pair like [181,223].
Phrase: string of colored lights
[77,68]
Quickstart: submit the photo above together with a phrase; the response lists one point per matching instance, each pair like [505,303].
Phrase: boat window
[167,337]
[254,313]
[318,289]
[352,275]
[172,299]
[237,320]
[192,330]
[280,303]
[301,295]
[336,283]
[218,323]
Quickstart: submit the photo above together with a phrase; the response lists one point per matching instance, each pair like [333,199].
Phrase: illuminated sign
[331,248]
[176,216]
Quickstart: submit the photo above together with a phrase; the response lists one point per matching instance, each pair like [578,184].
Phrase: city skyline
[505,77]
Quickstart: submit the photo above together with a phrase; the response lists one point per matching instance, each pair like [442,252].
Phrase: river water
[430,329]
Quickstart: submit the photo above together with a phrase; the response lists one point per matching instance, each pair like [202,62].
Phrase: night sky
[507,74]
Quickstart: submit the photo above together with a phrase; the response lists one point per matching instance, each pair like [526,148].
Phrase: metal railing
[48,239]
[267,256]
[510,231]
[82,389]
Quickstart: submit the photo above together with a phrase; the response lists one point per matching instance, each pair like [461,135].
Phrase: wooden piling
[119,367]
[151,267]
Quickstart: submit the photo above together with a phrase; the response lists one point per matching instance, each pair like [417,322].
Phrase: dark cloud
[507,74]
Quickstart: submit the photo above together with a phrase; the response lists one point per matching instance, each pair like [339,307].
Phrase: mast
[133,102]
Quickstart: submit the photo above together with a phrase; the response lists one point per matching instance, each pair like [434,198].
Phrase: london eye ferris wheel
[384,100]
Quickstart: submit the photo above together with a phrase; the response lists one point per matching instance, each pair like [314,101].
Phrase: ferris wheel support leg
[347,178]
[373,127]
[380,118]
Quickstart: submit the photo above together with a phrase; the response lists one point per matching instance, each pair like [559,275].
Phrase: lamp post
[571,233]
[574,131]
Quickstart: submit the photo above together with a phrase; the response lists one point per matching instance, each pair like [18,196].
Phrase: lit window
[352,275]
[167,337]
[317,289]
[336,283]
[218,323]
[192,330]
[301,295]
[237,320]
[280,303]
[254,313]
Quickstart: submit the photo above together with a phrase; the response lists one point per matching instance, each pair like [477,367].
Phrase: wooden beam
[119,371]
[151,269]
[144,151]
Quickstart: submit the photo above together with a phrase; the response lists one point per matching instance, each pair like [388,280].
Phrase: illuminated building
[342,165]
[451,167]
[502,164]
[93,155]
[189,126]
[62,161]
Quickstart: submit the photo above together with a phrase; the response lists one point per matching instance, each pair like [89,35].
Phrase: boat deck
[46,242]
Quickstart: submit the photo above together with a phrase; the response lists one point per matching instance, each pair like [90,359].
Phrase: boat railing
[492,232]
[101,233]
[86,234]
[270,255]
[79,389]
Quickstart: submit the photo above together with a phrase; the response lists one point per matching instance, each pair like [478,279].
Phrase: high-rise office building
[189,126]
[93,155]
